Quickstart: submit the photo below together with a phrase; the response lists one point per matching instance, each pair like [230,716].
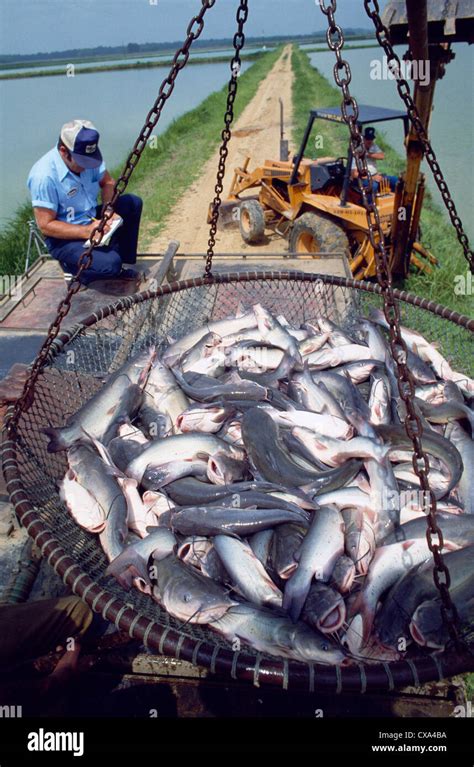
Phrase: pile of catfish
[256,478]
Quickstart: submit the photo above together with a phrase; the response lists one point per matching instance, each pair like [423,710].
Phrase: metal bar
[142,315]
[347,178]
[162,268]
[282,130]
[246,256]
[299,157]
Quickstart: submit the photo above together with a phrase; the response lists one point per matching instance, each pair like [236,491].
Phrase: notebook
[116,223]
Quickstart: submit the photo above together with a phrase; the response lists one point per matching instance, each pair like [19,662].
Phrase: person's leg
[106,262]
[125,241]
[392,181]
[31,629]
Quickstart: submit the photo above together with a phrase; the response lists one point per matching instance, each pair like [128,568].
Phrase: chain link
[180,59]
[398,347]
[393,61]
[235,65]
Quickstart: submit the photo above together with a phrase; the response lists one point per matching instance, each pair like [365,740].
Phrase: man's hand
[89,228]
[376,155]
[49,226]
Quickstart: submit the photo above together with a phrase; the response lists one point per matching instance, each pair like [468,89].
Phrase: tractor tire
[252,221]
[312,233]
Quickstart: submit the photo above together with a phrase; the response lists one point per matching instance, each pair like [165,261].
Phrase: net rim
[221,278]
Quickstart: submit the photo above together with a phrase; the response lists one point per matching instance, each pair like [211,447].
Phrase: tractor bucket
[229,214]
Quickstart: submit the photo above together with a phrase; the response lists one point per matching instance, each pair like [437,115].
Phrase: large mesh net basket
[80,360]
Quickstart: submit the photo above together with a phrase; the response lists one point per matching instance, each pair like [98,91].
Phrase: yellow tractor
[319,208]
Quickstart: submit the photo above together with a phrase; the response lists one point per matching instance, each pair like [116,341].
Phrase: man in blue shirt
[64,185]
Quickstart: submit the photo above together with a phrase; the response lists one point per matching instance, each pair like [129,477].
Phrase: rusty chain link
[235,65]
[406,386]
[383,37]
[180,59]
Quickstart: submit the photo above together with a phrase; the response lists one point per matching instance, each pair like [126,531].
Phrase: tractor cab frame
[321,174]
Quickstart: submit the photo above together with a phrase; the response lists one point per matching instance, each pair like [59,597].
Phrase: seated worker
[64,185]
[373,153]
[29,630]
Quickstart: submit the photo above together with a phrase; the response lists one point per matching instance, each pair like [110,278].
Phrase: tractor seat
[326,174]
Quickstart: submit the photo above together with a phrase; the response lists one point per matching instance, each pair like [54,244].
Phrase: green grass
[14,241]
[312,90]
[123,66]
[469,679]
[164,172]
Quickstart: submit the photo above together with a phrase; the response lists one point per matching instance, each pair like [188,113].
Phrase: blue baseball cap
[82,140]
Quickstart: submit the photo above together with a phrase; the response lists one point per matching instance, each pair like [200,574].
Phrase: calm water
[32,112]
[451,128]
[127,60]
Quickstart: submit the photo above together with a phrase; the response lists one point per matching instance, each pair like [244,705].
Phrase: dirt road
[256,133]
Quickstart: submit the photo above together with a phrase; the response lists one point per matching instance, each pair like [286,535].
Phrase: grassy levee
[167,168]
[324,49]
[311,90]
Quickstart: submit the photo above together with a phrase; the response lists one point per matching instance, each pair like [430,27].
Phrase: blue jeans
[106,261]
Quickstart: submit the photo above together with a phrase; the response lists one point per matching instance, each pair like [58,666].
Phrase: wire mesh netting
[99,346]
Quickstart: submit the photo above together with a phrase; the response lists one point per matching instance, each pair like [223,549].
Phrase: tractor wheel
[312,233]
[252,221]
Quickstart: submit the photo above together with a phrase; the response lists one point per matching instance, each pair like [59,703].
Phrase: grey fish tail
[56,439]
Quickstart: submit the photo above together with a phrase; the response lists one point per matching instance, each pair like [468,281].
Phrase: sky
[32,26]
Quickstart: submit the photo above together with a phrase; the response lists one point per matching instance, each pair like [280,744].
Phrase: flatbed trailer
[27,313]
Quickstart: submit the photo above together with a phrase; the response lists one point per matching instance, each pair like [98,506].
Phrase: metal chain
[235,64]
[383,37]
[406,386]
[194,30]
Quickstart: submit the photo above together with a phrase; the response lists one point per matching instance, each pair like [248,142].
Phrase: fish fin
[408,544]
[56,439]
[295,595]
[111,468]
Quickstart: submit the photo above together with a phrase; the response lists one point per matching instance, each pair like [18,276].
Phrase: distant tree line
[138,48]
